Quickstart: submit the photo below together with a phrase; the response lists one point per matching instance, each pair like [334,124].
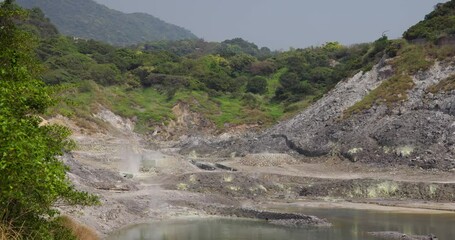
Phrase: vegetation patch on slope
[409,59]
[150,107]
[390,91]
[445,85]
[413,58]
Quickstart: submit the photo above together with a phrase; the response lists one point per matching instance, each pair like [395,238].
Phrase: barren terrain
[138,181]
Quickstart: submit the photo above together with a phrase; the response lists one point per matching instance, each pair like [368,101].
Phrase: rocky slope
[419,131]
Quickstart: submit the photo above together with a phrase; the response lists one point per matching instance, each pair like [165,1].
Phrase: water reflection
[348,225]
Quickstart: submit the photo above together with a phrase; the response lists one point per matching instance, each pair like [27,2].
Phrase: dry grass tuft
[445,85]
[79,230]
[8,233]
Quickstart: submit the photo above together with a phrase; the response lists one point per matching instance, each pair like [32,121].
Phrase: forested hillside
[90,20]
[232,82]
[229,83]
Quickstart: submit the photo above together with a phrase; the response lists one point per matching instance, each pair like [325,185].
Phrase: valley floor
[138,182]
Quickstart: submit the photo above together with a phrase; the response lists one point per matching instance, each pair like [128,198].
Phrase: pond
[348,224]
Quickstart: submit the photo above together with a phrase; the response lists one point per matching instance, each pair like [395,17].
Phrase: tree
[241,62]
[257,85]
[32,178]
[292,89]
[322,75]
[104,74]
[262,68]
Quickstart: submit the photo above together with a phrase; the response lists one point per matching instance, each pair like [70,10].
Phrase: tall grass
[413,58]
[79,230]
[7,232]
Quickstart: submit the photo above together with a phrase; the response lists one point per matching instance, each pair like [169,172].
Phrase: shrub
[257,85]
[105,74]
[262,68]
[251,101]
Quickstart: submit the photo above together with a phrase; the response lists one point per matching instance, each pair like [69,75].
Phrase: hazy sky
[280,24]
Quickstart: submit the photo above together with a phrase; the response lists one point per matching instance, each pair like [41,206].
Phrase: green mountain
[90,20]
[227,83]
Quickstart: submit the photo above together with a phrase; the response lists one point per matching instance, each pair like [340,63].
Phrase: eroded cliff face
[419,131]
[185,122]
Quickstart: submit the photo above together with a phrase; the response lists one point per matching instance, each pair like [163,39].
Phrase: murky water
[347,225]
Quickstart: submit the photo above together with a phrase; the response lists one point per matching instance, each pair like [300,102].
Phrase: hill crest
[90,20]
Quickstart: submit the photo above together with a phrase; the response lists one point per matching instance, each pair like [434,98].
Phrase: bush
[262,68]
[321,75]
[257,85]
[394,47]
[440,22]
[251,101]
[105,74]
[241,62]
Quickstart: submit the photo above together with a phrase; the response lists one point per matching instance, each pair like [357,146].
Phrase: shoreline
[277,206]
[403,208]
